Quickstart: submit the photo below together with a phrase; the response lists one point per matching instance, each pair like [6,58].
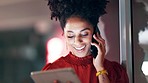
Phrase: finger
[96,45]
[100,40]
[98,37]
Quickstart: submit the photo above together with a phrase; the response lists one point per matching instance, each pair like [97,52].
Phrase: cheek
[69,41]
[88,40]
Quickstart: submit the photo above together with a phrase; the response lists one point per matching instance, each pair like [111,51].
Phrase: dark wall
[111,29]
[140,19]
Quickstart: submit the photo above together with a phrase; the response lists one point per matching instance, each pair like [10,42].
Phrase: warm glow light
[54,49]
[145,67]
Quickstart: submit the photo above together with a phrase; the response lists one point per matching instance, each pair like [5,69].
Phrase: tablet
[62,75]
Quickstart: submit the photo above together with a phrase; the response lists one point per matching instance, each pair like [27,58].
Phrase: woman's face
[78,35]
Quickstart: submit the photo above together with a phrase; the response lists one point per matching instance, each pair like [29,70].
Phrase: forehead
[76,23]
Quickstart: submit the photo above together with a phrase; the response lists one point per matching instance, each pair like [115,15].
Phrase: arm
[102,76]
[98,61]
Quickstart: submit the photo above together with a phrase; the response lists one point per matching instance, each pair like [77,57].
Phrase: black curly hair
[89,10]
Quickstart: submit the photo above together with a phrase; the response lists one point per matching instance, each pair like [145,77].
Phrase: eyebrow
[85,29]
[81,30]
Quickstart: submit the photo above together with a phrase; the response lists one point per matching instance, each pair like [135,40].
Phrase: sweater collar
[72,59]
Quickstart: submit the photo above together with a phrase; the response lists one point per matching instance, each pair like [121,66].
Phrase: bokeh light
[54,49]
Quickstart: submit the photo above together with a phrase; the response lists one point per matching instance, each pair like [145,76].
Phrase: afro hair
[89,10]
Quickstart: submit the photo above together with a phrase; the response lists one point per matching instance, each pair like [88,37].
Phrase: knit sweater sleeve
[116,72]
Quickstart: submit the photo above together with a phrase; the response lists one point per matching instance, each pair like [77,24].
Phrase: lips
[80,48]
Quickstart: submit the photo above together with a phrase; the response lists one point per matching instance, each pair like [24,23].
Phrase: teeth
[80,48]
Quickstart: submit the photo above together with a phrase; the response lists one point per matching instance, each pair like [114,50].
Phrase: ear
[63,34]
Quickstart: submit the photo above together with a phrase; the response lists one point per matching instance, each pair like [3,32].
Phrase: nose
[78,40]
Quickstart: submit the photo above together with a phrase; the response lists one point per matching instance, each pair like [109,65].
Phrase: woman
[78,19]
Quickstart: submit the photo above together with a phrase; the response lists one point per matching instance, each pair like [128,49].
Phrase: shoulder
[117,73]
[54,65]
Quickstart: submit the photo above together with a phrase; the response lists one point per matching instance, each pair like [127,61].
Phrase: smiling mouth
[80,48]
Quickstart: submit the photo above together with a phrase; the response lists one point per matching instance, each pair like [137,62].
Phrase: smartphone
[94,50]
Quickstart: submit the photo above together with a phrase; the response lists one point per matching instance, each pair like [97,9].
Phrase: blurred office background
[24,24]
[26,28]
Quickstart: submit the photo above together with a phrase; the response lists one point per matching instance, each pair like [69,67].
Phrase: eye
[70,36]
[84,34]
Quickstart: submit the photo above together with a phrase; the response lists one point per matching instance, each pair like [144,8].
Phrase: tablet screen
[62,75]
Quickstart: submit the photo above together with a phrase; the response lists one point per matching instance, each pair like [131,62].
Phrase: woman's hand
[98,61]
